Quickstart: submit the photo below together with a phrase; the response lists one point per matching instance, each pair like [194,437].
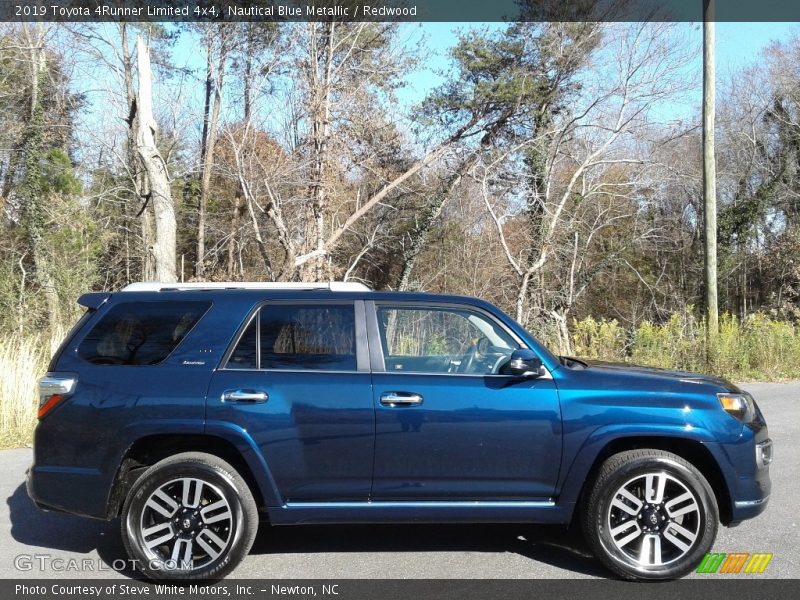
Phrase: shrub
[602,340]
[758,348]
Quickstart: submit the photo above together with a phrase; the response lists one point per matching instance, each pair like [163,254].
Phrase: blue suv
[193,411]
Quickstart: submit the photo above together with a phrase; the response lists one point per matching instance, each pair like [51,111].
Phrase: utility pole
[709,172]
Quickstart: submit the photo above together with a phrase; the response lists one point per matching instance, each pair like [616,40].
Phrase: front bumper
[750,507]
[745,468]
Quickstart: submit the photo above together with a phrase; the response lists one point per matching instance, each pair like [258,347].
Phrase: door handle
[244,396]
[400,399]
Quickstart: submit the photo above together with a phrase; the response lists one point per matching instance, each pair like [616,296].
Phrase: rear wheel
[650,515]
[190,516]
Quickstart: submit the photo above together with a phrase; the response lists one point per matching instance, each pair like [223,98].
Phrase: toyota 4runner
[193,411]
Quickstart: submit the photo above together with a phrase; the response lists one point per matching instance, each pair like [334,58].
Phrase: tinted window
[245,356]
[433,340]
[140,333]
[316,337]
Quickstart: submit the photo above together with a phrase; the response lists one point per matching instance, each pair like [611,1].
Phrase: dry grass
[758,348]
[22,361]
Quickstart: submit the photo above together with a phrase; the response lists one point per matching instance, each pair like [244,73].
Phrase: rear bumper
[77,491]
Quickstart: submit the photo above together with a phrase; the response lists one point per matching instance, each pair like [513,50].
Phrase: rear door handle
[400,399]
[244,396]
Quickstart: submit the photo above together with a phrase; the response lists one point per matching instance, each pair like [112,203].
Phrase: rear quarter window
[140,333]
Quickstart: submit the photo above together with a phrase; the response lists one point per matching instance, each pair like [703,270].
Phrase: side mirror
[525,363]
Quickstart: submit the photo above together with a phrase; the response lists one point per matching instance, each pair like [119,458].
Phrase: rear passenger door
[297,381]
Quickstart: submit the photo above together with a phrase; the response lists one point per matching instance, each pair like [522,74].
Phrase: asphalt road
[49,545]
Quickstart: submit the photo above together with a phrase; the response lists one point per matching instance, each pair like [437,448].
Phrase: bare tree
[31,192]
[218,41]
[587,140]
[157,191]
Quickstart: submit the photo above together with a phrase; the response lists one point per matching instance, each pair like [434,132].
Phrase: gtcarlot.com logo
[734,563]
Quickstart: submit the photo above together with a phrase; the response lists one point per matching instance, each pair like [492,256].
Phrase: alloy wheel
[186,524]
[654,519]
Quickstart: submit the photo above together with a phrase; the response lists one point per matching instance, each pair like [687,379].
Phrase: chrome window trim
[352,372]
[547,374]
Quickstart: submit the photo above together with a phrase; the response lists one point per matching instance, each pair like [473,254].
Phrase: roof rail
[333,286]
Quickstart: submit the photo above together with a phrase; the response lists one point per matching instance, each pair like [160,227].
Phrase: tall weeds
[22,361]
[756,348]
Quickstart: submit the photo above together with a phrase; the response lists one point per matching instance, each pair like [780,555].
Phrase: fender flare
[237,436]
[575,477]
[252,456]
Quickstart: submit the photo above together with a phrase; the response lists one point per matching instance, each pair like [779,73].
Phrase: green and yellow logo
[734,563]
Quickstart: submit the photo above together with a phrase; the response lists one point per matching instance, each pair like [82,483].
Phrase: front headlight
[740,406]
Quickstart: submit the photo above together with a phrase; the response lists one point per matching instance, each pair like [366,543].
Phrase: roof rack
[333,286]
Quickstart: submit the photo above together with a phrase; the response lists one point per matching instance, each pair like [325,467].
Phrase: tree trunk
[238,201]
[237,208]
[709,172]
[320,128]
[248,72]
[560,317]
[11,171]
[520,304]
[147,269]
[201,202]
[215,81]
[158,188]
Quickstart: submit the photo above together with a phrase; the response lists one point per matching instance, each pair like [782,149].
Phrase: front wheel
[650,515]
[189,516]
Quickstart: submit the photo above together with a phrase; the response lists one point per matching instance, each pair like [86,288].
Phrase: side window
[245,355]
[313,337]
[140,333]
[447,340]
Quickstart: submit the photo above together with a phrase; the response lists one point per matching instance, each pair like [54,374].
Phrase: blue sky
[738,46]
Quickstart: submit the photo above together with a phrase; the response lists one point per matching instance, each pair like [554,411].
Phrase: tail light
[52,390]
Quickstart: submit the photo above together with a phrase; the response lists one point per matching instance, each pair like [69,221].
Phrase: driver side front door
[449,424]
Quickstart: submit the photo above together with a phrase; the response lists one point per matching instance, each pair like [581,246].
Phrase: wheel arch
[691,450]
[149,449]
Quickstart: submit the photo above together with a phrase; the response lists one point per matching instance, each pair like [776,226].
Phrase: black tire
[236,519]
[603,511]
